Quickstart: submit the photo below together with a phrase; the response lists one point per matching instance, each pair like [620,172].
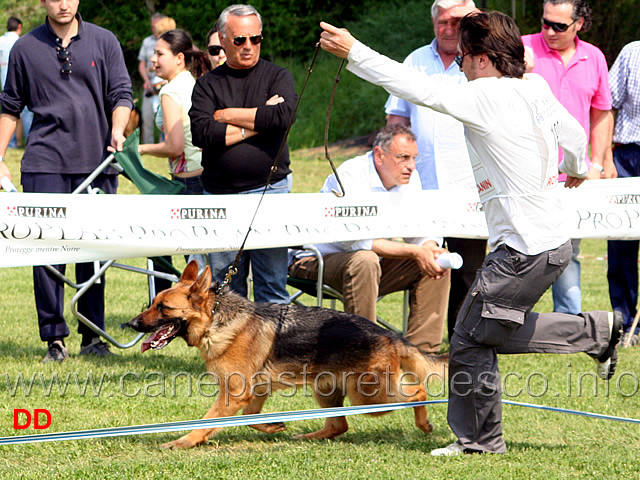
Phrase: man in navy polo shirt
[71,74]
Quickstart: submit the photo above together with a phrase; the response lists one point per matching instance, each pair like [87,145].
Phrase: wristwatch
[599,167]
[1,158]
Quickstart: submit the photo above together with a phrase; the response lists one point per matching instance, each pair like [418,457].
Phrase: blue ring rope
[265,418]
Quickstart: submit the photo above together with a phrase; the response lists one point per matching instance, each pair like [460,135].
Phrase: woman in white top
[177,61]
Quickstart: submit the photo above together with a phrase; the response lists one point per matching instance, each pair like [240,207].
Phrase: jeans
[193,185]
[567,295]
[27,120]
[268,265]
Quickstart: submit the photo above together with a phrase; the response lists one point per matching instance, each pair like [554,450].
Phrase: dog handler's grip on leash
[336,40]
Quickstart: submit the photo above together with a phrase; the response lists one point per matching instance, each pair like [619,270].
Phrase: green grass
[139,389]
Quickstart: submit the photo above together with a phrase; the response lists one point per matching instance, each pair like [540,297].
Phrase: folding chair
[128,163]
[321,290]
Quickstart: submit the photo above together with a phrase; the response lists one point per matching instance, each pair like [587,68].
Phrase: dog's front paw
[426,427]
[179,444]
[275,427]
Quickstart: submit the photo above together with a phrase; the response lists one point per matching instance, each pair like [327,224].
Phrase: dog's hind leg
[420,413]
[255,406]
[332,426]
[377,388]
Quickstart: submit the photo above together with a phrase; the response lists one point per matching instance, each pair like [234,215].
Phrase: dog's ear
[204,281]
[191,272]
[200,288]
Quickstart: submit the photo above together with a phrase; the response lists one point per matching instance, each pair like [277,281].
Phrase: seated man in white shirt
[366,269]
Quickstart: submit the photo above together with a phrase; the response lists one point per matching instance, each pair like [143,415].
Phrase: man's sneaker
[448,451]
[97,348]
[608,360]
[629,340]
[57,352]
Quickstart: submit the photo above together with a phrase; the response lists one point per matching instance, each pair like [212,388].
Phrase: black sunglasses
[239,41]
[214,50]
[64,56]
[459,59]
[557,26]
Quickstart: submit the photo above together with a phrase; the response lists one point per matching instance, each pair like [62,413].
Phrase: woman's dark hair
[213,30]
[496,35]
[195,60]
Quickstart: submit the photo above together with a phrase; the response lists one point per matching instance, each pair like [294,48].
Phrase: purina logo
[359,211]
[475,207]
[626,199]
[199,213]
[41,212]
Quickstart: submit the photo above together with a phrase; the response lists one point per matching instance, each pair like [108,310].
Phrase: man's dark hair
[496,35]
[13,23]
[580,9]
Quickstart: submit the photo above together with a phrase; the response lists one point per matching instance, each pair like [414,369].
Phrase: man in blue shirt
[624,80]
[72,76]
[444,163]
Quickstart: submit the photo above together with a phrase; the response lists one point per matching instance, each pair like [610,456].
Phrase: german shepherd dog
[337,354]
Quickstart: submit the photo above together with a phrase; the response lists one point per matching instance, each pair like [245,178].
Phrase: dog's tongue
[158,339]
[146,345]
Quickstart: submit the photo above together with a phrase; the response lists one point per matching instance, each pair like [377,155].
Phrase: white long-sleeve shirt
[512,128]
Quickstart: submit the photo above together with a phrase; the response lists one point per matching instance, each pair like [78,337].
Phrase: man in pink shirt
[577,73]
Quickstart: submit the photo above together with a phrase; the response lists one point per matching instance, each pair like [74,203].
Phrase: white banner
[39,229]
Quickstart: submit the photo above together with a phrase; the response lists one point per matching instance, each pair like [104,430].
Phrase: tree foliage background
[291,26]
[393,27]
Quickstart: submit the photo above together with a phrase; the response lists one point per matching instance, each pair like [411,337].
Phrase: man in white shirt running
[513,126]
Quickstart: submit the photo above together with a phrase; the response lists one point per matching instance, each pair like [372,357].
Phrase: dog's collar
[218,292]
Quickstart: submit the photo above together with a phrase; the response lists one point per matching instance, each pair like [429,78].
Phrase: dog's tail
[423,366]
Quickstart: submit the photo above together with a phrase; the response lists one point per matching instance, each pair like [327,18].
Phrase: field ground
[135,389]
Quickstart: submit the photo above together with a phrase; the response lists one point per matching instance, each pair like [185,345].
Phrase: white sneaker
[448,451]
